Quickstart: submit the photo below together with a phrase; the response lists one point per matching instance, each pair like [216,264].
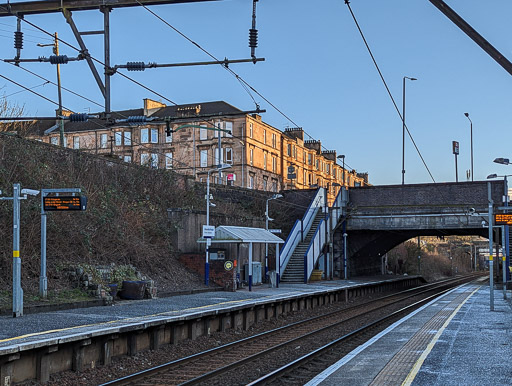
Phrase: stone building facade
[186,139]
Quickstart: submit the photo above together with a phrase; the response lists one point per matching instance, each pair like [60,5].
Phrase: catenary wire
[147,88]
[387,88]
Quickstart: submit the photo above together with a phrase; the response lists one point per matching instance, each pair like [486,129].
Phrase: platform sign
[64,203]
[208,231]
[274,230]
[503,219]
[455,146]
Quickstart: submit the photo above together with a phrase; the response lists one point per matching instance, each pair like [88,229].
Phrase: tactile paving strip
[398,368]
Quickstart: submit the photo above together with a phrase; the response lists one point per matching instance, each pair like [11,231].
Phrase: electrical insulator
[137,119]
[59,59]
[18,40]
[253,38]
[79,117]
[135,66]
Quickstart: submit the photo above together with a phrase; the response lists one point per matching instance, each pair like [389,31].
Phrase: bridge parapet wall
[450,194]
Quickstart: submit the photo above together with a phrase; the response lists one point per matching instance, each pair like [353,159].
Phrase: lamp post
[208,204]
[403,128]
[506,161]
[505,228]
[267,219]
[342,157]
[471,128]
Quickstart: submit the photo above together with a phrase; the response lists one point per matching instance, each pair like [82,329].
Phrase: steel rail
[294,365]
[218,351]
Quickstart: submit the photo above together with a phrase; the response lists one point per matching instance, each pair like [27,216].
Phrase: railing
[314,251]
[300,229]
[323,233]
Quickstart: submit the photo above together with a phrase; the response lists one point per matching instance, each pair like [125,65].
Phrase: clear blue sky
[317,71]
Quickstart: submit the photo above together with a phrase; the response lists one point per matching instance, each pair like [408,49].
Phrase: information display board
[503,219]
[60,203]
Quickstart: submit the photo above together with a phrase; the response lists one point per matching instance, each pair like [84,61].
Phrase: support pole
[278,265]
[106,36]
[491,262]
[250,266]
[43,279]
[17,291]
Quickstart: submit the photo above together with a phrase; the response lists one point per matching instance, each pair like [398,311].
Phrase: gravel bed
[123,366]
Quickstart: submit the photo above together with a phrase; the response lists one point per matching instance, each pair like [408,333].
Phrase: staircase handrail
[300,228]
[312,254]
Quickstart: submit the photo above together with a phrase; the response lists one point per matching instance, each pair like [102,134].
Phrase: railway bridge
[380,217]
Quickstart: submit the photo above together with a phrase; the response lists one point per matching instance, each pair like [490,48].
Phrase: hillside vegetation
[125,221]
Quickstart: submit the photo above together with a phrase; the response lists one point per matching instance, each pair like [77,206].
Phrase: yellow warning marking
[490,257]
[127,320]
[416,368]
[15,253]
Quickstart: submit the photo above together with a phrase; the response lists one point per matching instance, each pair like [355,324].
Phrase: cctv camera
[471,211]
[484,224]
[31,192]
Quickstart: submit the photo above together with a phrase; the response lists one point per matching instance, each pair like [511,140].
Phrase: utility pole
[59,87]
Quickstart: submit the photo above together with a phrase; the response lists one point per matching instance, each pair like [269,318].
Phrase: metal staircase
[294,272]
[305,242]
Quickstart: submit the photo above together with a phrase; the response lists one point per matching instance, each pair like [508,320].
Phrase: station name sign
[503,219]
[61,203]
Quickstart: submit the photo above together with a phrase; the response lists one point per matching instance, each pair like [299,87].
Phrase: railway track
[270,352]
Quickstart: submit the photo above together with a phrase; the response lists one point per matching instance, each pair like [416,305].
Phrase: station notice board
[64,203]
[503,219]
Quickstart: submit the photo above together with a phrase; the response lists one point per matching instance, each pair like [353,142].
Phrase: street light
[403,127]
[267,219]
[342,157]
[208,204]
[471,126]
[506,241]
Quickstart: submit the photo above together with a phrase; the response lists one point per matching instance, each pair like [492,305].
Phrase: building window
[310,159]
[251,155]
[168,138]
[168,160]
[204,158]
[154,135]
[144,135]
[328,170]
[103,141]
[289,150]
[294,151]
[54,140]
[76,142]
[265,137]
[304,179]
[250,130]
[317,164]
[265,183]
[229,126]
[274,164]
[274,185]
[228,153]
[264,161]
[251,181]
[150,160]
[274,140]
[127,138]
[118,138]
[310,179]
[127,158]
[203,133]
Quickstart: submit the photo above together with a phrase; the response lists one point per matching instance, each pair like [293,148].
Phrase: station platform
[35,330]
[453,340]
